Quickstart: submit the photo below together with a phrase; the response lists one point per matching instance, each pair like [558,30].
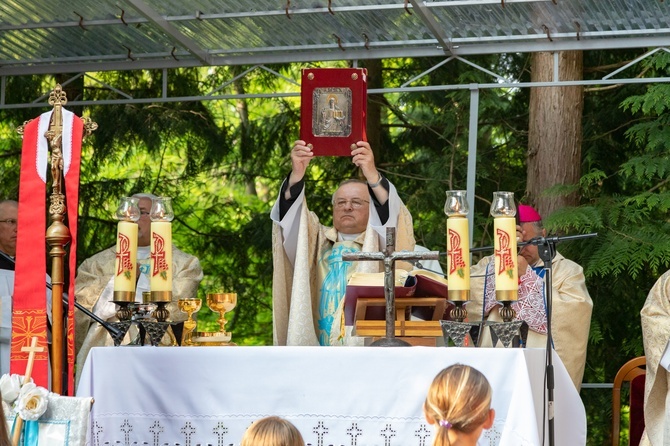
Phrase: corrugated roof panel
[71,35]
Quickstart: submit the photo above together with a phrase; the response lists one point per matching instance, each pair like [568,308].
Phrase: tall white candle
[458,258]
[161,249]
[125,266]
[503,210]
[126,257]
[161,256]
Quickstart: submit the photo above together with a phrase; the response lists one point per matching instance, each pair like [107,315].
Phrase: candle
[161,250]
[458,246]
[458,258]
[506,263]
[126,250]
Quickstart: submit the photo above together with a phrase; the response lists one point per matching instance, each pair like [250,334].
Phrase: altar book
[407,284]
[333,108]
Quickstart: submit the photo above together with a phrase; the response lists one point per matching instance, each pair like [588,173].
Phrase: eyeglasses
[356,203]
[10,221]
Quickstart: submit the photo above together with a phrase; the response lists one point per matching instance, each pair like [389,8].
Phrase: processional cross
[389,257]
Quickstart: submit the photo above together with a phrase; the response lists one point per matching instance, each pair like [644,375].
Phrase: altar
[353,396]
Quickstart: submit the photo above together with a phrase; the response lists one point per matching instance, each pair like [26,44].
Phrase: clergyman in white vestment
[94,286]
[309,276]
[655,317]
[8,224]
[571,303]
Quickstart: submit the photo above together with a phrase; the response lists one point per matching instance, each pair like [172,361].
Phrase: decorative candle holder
[506,274]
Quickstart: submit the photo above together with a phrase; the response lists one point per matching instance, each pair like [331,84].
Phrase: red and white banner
[29,303]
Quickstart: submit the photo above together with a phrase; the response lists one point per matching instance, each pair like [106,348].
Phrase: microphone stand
[546,249]
[112,330]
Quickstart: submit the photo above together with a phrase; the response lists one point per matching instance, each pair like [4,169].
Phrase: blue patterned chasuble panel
[334,274]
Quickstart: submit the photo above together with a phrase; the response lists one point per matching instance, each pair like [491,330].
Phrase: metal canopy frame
[40,37]
[70,36]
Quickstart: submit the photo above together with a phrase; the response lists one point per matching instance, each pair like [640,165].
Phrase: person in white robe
[9,210]
[571,303]
[309,276]
[94,286]
[655,317]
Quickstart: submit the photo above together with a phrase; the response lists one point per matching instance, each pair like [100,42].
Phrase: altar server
[656,335]
[94,285]
[309,278]
[571,303]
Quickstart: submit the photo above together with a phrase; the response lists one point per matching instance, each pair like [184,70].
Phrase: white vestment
[655,317]
[571,309]
[298,242]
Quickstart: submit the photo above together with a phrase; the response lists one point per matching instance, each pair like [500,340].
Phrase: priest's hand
[301,155]
[363,157]
[520,233]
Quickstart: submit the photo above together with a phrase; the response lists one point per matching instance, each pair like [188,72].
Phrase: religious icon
[333,112]
[333,109]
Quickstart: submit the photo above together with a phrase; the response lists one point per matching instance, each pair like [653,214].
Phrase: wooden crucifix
[389,257]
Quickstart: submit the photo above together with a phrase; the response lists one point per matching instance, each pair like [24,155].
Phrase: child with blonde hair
[459,404]
[272,431]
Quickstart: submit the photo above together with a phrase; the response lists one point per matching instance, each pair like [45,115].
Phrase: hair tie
[445,424]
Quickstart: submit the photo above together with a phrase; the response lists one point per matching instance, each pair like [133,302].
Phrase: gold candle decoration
[458,246]
[506,264]
[161,249]
[128,213]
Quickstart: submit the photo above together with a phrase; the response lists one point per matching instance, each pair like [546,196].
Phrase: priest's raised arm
[94,286]
[309,276]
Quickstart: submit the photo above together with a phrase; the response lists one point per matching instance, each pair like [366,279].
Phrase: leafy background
[223,161]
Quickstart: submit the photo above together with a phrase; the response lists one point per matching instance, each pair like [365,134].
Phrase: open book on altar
[416,283]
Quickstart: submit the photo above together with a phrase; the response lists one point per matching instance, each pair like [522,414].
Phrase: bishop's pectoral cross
[33,349]
[389,257]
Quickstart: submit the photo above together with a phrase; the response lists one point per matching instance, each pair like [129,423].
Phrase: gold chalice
[222,303]
[189,305]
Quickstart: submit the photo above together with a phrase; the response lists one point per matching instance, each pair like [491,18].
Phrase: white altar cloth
[353,396]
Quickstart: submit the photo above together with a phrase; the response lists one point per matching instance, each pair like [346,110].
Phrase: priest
[655,317]
[9,210]
[310,277]
[94,285]
[571,303]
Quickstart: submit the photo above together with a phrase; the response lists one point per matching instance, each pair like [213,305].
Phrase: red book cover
[333,109]
[427,286]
